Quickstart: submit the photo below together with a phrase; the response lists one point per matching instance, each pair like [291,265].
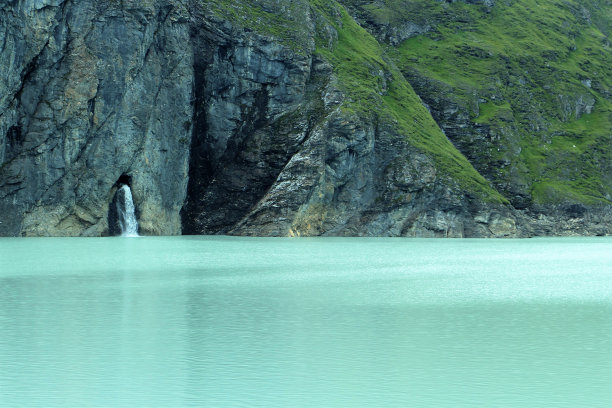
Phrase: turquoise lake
[316,322]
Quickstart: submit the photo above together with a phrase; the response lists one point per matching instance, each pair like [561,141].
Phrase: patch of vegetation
[535,74]
[283,20]
[375,87]
[573,165]
[491,112]
[542,68]
[396,12]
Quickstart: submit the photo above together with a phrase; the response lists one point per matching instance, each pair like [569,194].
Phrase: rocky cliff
[91,91]
[304,117]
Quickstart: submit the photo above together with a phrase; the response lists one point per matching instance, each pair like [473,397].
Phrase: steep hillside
[307,117]
[372,157]
[521,87]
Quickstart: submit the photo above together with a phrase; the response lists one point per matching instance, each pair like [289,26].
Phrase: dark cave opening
[124,179]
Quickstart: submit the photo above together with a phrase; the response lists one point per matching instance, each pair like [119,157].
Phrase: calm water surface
[329,322]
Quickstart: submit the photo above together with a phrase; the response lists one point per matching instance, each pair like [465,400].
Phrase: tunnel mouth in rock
[124,179]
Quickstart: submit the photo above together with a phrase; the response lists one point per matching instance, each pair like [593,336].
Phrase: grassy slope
[359,64]
[284,20]
[527,59]
[374,89]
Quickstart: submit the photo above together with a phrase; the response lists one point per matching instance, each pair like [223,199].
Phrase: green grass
[373,88]
[358,61]
[491,112]
[285,21]
[517,68]
[572,166]
[530,60]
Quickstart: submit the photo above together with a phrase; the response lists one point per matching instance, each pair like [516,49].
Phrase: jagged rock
[93,90]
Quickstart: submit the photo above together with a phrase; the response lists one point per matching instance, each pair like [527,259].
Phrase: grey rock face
[250,117]
[392,29]
[273,153]
[90,91]
[218,130]
[564,220]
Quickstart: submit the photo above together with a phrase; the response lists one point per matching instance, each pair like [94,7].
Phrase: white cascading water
[127,214]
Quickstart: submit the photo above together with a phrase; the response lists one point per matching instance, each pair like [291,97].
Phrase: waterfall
[126,213]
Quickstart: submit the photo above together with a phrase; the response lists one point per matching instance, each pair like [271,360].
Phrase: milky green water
[330,322]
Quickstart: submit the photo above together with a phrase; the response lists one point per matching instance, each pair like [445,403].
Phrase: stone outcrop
[91,91]
[274,152]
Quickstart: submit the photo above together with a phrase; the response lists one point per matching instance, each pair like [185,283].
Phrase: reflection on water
[216,321]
